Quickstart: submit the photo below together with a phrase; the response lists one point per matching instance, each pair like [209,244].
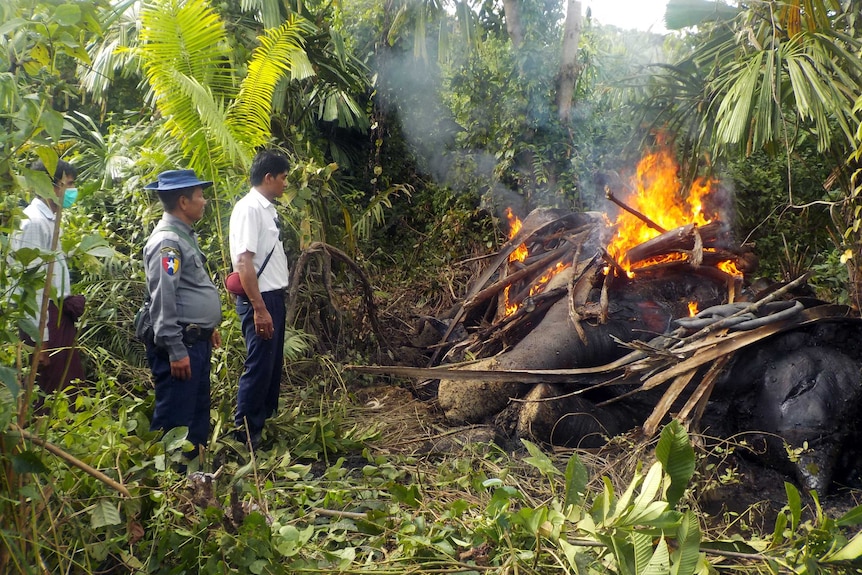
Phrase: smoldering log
[680,239]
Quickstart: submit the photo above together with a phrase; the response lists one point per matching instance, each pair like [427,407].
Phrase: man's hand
[215,339]
[263,324]
[181,368]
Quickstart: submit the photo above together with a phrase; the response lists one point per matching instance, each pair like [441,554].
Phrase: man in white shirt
[257,255]
[60,361]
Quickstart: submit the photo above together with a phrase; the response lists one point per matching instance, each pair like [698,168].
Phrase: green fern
[280,54]
[186,58]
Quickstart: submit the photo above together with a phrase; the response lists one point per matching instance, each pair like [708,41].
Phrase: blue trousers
[260,382]
[182,402]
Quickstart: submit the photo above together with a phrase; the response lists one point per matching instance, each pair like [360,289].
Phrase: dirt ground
[736,491]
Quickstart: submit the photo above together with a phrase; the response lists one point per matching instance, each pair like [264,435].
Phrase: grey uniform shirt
[180,289]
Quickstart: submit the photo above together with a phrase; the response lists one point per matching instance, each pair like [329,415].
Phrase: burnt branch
[494,289]
[610,195]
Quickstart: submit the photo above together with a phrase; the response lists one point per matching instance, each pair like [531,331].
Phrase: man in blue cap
[179,319]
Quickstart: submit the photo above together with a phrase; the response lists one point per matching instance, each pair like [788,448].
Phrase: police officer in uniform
[179,319]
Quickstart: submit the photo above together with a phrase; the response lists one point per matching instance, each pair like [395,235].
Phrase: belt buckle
[193,330]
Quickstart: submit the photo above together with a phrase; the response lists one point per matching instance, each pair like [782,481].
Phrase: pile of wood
[596,350]
[580,318]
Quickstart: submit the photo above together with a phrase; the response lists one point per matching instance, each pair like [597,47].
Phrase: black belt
[193,333]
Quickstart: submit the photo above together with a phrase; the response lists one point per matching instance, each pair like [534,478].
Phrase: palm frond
[186,59]
[375,212]
[763,84]
[188,36]
[198,121]
[113,53]
[336,105]
[280,53]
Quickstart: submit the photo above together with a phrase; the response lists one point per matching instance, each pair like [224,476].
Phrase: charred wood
[681,239]
[500,285]
[609,195]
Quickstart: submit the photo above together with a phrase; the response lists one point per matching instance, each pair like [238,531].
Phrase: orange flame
[658,196]
[520,253]
[540,284]
[661,259]
[692,308]
[729,267]
[510,307]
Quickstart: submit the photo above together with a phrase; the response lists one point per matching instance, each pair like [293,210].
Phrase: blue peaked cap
[177,180]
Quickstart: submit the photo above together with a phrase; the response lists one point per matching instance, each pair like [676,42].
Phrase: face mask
[69,197]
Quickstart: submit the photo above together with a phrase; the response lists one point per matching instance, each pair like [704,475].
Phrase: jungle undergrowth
[338,486]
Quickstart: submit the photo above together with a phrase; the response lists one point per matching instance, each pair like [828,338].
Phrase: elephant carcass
[552,344]
[801,393]
[635,310]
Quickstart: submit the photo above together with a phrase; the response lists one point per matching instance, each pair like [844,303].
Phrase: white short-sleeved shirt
[254,228]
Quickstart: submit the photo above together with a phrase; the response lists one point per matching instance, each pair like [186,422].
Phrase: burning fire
[657,196]
[729,267]
[519,255]
[540,284]
[658,199]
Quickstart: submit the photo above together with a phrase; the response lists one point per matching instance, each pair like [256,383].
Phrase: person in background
[179,320]
[257,254]
[59,364]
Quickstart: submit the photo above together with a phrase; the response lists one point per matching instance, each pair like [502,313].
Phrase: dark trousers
[62,362]
[260,381]
[182,402]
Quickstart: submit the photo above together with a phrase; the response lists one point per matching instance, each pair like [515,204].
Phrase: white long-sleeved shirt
[37,231]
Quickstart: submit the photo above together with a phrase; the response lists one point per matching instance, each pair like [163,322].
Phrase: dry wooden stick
[510,246]
[664,404]
[71,459]
[610,195]
[578,272]
[525,292]
[499,286]
[609,259]
[501,258]
[697,250]
[700,397]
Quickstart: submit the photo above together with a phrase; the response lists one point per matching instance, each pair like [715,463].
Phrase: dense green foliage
[410,125]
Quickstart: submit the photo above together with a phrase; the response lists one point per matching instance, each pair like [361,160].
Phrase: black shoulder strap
[266,261]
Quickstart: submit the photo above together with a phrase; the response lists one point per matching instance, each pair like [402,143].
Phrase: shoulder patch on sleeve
[170,261]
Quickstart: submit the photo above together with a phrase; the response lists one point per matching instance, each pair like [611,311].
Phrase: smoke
[721,201]
[412,89]
[566,158]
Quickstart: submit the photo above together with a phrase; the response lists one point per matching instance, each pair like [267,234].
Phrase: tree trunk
[569,68]
[512,11]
